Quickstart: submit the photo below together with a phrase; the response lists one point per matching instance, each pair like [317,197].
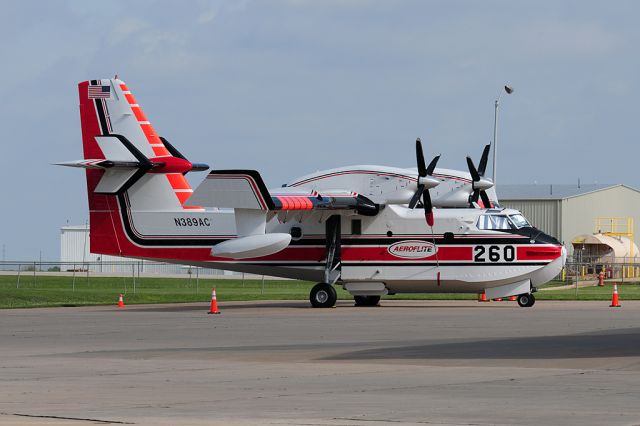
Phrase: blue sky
[290,87]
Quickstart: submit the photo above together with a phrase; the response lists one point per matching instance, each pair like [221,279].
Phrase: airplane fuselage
[394,247]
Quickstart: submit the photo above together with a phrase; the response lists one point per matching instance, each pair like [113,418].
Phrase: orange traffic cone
[614,298]
[499,299]
[214,303]
[513,298]
[482,297]
[120,302]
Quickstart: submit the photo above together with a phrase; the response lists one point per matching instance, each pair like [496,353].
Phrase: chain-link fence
[115,268]
[583,268]
[27,273]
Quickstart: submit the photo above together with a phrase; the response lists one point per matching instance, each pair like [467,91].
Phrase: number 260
[494,254]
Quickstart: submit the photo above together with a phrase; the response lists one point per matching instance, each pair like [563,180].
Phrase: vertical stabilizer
[136,160]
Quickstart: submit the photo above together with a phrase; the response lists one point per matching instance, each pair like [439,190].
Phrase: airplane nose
[551,270]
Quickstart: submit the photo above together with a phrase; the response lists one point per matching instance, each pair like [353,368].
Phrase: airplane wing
[245,189]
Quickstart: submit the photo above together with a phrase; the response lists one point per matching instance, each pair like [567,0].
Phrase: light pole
[509,91]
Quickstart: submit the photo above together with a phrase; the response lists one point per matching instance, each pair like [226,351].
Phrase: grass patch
[59,291]
[625,291]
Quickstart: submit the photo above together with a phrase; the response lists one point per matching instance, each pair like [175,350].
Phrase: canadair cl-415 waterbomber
[374,230]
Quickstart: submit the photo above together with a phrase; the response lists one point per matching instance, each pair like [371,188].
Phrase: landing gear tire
[526,300]
[366,300]
[323,295]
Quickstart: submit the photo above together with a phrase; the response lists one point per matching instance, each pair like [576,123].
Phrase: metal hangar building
[567,211]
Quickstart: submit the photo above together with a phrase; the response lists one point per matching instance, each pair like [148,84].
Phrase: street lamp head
[508,89]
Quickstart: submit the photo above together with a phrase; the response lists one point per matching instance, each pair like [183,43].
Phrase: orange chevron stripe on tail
[179,183]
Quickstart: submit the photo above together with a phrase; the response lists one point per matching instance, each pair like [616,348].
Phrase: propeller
[425,182]
[480,184]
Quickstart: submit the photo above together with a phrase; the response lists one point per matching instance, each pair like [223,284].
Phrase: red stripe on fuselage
[537,253]
[444,253]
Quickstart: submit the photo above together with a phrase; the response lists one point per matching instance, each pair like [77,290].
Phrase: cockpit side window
[486,221]
[519,221]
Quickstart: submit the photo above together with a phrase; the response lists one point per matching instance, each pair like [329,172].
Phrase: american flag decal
[99,92]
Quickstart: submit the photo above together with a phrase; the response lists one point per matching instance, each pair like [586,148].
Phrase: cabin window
[493,222]
[356,227]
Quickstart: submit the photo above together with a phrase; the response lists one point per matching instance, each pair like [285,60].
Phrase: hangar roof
[551,191]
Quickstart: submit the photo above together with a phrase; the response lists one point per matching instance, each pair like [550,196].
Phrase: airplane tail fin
[123,155]
[118,138]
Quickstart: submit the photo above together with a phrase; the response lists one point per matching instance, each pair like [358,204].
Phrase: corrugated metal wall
[543,214]
[74,245]
[579,213]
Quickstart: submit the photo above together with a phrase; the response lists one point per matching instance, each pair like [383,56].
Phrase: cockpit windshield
[519,221]
[487,221]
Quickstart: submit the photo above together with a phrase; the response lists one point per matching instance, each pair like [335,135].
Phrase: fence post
[73,281]
[133,274]
[34,274]
[577,279]
[262,290]
[243,280]
[19,269]
[197,279]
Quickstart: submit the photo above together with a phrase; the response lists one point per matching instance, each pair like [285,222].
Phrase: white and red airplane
[361,227]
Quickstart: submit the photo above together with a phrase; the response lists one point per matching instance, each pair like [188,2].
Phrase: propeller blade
[416,197]
[485,200]
[422,170]
[428,207]
[483,160]
[472,169]
[432,165]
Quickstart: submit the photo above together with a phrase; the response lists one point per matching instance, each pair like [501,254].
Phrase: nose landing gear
[526,300]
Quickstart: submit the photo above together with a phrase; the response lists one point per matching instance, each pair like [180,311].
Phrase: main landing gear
[323,295]
[526,300]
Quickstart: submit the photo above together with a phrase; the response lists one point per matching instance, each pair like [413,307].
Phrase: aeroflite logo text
[412,249]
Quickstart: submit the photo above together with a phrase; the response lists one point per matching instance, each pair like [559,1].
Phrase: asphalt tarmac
[284,363]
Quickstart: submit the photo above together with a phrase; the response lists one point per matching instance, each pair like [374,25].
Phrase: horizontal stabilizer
[124,164]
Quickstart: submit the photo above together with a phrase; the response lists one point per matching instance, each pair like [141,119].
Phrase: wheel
[323,295]
[366,300]
[532,300]
[526,300]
